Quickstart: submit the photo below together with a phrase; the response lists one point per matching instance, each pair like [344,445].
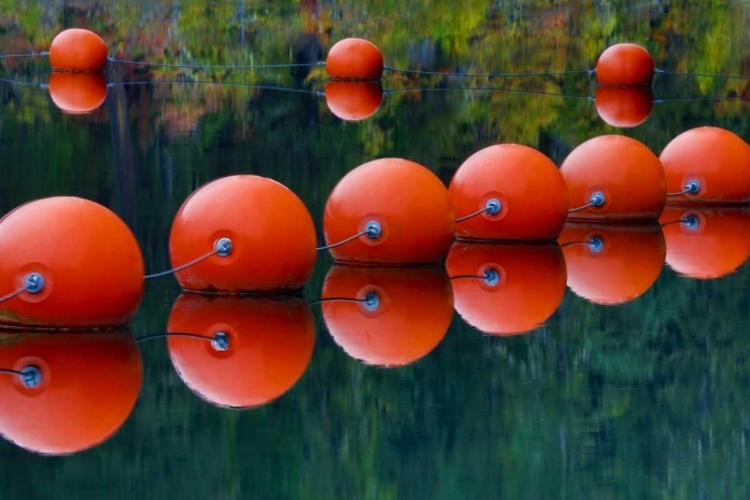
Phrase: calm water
[646,399]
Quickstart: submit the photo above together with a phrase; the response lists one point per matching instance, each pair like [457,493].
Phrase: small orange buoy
[273,250]
[706,243]
[77,93]
[353,101]
[614,178]
[255,350]
[624,107]
[506,289]
[612,264]
[521,191]
[625,64]
[402,314]
[78,262]
[400,209]
[78,50]
[72,391]
[708,165]
[354,59]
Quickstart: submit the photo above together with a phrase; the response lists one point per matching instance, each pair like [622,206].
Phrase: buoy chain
[219,340]
[30,376]
[222,248]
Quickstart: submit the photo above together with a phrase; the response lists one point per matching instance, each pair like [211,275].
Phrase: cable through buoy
[219,340]
[373,230]
[32,283]
[30,54]
[222,248]
[692,187]
[371,301]
[492,207]
[490,276]
[30,376]
[597,200]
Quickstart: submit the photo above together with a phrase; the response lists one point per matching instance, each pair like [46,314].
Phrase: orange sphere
[612,264]
[528,189]
[705,243]
[516,289]
[352,101]
[715,159]
[271,232]
[625,64]
[78,50]
[404,207]
[354,59]
[624,107]
[77,93]
[405,312]
[89,261]
[625,173]
[268,344]
[84,388]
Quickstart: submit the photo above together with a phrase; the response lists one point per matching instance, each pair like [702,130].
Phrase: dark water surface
[646,399]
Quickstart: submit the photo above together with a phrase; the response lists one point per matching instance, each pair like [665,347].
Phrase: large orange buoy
[78,50]
[352,101]
[709,165]
[612,264]
[706,243]
[401,316]
[625,64]
[400,209]
[73,390]
[615,178]
[624,107]
[262,233]
[506,289]
[354,59]
[77,93]
[521,191]
[79,263]
[255,350]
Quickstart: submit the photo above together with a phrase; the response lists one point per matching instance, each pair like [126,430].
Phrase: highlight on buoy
[624,107]
[707,165]
[353,101]
[389,211]
[509,192]
[625,64]
[78,49]
[68,262]
[354,59]
[77,93]
[262,235]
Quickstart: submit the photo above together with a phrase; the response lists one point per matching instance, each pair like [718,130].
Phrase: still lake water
[646,399]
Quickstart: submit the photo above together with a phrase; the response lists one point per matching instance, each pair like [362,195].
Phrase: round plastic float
[354,59]
[77,93]
[78,49]
[353,101]
[624,107]
[625,64]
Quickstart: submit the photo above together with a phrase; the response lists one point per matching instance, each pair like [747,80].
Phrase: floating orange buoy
[402,209]
[521,190]
[709,165]
[403,313]
[706,243]
[354,59]
[74,390]
[353,101]
[256,348]
[271,250]
[612,264]
[506,289]
[624,107]
[619,178]
[78,50]
[77,93]
[79,263]
[625,64]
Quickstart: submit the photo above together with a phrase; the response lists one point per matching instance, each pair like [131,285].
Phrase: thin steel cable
[180,268]
[13,294]
[478,212]
[343,242]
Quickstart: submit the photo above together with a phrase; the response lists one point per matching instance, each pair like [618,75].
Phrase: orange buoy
[625,64]
[504,289]
[78,50]
[614,178]
[73,390]
[521,191]
[78,262]
[624,107]
[271,250]
[77,93]
[400,208]
[612,264]
[706,243]
[255,350]
[709,165]
[354,59]
[353,101]
[401,316]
